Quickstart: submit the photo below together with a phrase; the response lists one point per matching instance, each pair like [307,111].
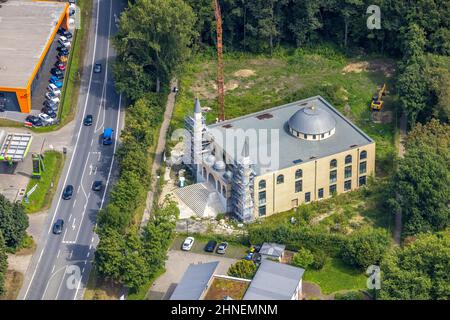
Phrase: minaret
[247,181]
[197,139]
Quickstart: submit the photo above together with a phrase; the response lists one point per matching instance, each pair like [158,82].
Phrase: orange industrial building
[27,31]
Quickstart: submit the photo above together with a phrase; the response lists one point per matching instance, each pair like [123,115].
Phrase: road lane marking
[59,251]
[73,206]
[74,150]
[73,223]
[115,145]
[53,269]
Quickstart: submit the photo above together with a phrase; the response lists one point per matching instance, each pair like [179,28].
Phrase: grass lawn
[99,288]
[336,276]
[254,83]
[234,251]
[42,197]
[220,288]
[13,283]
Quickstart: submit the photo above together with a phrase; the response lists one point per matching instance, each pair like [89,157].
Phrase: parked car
[67,34]
[97,185]
[249,256]
[58,63]
[188,243]
[210,246]
[97,68]
[55,71]
[58,226]
[61,31]
[46,119]
[63,53]
[58,84]
[68,192]
[222,248]
[35,121]
[62,48]
[50,104]
[62,58]
[50,95]
[54,100]
[63,41]
[62,67]
[88,120]
[53,79]
[49,111]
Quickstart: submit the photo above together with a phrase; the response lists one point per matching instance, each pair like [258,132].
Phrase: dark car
[210,246]
[222,248]
[59,63]
[63,53]
[61,31]
[97,68]
[58,226]
[68,192]
[56,71]
[97,185]
[49,111]
[67,34]
[35,121]
[88,120]
[51,104]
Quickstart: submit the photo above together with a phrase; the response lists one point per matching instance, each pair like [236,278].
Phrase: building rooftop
[272,249]
[291,150]
[194,281]
[312,120]
[25,29]
[14,146]
[274,281]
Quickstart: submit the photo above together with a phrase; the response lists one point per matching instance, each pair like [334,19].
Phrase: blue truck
[107,136]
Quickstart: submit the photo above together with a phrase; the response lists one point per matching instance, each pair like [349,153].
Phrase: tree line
[13,226]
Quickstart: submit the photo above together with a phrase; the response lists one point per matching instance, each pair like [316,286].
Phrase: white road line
[74,203]
[92,240]
[53,269]
[115,143]
[74,150]
[70,217]
[92,141]
[73,223]
[78,190]
[59,251]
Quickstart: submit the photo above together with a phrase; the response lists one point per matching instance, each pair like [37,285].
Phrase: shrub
[350,295]
[303,258]
[242,269]
[320,258]
[365,247]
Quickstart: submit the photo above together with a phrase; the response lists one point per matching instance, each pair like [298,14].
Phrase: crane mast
[220,76]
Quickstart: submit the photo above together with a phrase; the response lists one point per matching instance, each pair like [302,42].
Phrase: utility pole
[220,76]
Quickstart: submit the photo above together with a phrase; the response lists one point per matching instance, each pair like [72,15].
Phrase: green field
[42,197]
[336,276]
[255,83]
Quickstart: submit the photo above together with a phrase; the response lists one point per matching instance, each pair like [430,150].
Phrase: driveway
[176,265]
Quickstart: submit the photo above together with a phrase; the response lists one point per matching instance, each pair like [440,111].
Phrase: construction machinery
[377,99]
[220,77]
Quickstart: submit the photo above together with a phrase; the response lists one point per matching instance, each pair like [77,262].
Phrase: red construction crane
[220,81]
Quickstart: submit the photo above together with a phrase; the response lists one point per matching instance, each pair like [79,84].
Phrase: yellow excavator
[377,99]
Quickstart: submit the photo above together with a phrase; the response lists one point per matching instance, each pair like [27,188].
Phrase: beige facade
[314,180]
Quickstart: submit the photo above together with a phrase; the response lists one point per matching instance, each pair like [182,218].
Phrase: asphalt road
[60,267]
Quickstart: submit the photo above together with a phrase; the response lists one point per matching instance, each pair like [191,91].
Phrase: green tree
[418,271]
[365,247]
[422,180]
[245,269]
[153,40]
[3,264]
[13,222]
[303,258]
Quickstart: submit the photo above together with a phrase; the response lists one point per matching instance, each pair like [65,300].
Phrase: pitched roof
[272,249]
[274,281]
[194,281]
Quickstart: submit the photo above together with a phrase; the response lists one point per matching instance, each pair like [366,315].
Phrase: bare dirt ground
[244,73]
[377,65]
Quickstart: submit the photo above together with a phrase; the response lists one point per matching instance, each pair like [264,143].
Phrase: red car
[62,67]
[59,63]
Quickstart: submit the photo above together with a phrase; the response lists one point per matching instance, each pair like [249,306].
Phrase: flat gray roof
[274,281]
[194,281]
[292,150]
[14,146]
[25,29]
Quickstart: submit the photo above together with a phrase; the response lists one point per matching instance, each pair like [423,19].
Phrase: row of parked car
[211,246]
[49,112]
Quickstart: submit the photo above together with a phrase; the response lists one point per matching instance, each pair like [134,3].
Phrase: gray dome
[312,120]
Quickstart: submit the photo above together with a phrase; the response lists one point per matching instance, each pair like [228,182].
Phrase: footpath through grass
[42,197]
[336,276]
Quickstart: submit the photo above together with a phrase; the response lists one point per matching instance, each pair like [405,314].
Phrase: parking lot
[177,264]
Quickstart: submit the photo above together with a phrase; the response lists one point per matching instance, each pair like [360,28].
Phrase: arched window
[333,164]
[280,179]
[298,174]
[348,159]
[224,191]
[262,184]
[363,155]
